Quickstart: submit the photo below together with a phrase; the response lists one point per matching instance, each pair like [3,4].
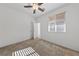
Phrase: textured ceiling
[20,7]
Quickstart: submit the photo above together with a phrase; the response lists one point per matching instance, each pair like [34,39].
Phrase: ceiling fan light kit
[35,6]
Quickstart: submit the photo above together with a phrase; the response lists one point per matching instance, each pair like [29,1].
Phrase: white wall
[15,26]
[70,39]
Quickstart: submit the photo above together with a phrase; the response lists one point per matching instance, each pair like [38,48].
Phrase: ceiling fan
[35,6]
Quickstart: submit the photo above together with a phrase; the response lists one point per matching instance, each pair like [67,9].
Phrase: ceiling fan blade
[41,9]
[40,3]
[27,6]
[34,11]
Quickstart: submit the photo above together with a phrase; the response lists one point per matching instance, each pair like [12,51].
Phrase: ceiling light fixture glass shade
[35,6]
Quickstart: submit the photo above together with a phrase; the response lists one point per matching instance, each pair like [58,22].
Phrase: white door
[36,30]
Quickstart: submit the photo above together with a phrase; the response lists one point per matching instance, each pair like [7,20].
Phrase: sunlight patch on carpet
[25,52]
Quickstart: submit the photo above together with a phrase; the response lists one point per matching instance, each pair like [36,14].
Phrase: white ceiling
[20,7]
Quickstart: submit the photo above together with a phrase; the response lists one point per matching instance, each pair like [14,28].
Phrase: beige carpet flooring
[42,47]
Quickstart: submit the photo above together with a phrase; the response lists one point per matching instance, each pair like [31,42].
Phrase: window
[60,27]
[51,27]
[57,23]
